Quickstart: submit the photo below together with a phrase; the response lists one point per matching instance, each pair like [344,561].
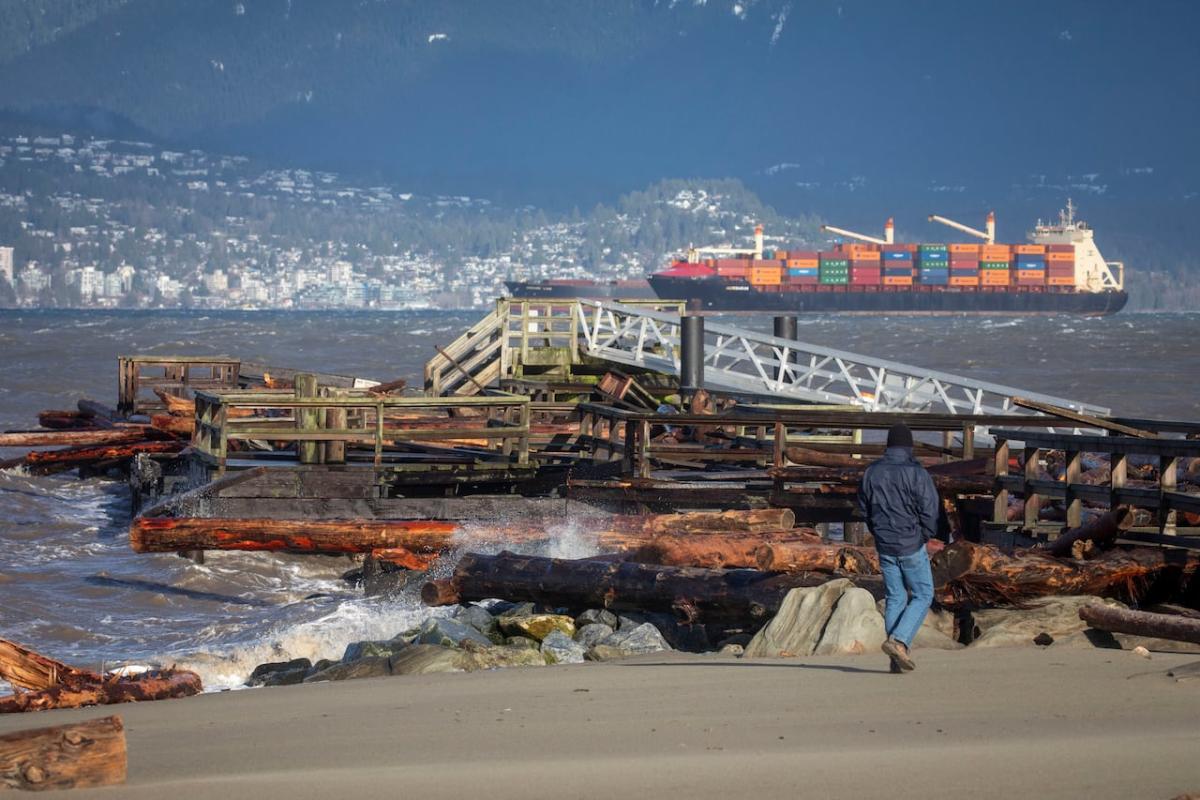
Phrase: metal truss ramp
[737,360]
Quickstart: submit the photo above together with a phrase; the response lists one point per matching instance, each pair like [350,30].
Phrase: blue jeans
[904,576]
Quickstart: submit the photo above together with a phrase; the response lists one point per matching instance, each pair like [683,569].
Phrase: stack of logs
[705,565]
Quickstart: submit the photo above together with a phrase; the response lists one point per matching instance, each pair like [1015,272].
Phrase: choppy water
[70,586]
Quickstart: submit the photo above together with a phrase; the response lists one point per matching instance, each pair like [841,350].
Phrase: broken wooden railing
[324,427]
[1159,495]
[139,376]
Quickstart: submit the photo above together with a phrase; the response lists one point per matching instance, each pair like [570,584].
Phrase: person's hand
[934,546]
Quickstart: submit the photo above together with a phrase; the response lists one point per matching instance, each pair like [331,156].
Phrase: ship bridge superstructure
[1092,272]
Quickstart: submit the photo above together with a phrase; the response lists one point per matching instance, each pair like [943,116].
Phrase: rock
[604,652]
[370,667]
[1043,639]
[449,633]
[691,638]
[478,618]
[324,663]
[287,677]
[422,659]
[558,648]
[408,637]
[264,671]
[372,649]
[1057,617]
[518,610]
[597,616]
[521,641]
[1141,651]
[593,634]
[796,629]
[732,650]
[855,626]
[740,639]
[644,638]
[937,632]
[536,626]
[476,656]
[495,606]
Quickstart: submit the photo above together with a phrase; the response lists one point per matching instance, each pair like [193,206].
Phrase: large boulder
[593,634]
[422,659]
[370,667]
[449,633]
[536,626]
[644,638]
[479,619]
[855,626]
[476,656]
[264,673]
[372,649]
[1055,617]
[796,629]
[596,616]
[558,648]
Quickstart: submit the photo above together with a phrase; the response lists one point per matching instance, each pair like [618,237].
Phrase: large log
[169,534]
[969,574]
[152,685]
[1141,623]
[694,594]
[817,557]
[1102,531]
[77,456]
[708,550]
[76,756]
[58,685]
[64,420]
[73,438]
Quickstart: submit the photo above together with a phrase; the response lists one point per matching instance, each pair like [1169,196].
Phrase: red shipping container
[894,248]
[1060,248]
[964,263]
[803,254]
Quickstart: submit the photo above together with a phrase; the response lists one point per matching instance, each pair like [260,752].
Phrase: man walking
[900,504]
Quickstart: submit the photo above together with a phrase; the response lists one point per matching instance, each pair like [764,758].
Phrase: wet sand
[1004,723]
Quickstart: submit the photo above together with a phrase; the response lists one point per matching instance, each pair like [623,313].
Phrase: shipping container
[895,280]
[802,263]
[866,255]
[896,255]
[1055,280]
[894,248]
[932,247]
[964,249]
[1060,258]
[1029,249]
[994,252]
[993,265]
[1060,248]
[802,271]
[959,280]
[964,263]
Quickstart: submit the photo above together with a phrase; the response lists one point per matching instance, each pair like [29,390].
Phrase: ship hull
[733,296]
[533,290]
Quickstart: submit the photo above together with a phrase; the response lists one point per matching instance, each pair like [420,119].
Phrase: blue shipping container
[802,272]
[897,255]
[933,257]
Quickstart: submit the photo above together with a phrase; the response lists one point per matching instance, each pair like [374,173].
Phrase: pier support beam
[691,353]
[786,328]
[306,418]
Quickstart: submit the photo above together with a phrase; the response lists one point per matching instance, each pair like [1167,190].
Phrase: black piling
[691,353]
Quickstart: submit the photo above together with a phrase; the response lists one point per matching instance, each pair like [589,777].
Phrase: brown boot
[898,652]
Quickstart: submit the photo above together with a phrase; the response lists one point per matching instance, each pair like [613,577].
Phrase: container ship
[569,288]
[1058,271]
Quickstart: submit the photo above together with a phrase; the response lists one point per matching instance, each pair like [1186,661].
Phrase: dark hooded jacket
[900,503]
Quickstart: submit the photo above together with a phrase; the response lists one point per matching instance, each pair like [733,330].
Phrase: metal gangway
[741,361]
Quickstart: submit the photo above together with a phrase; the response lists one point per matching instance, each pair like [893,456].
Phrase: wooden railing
[139,376]
[1159,496]
[611,434]
[322,429]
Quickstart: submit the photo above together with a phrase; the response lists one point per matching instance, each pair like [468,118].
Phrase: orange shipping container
[864,255]
[971,249]
[994,277]
[1029,249]
[898,280]
[766,276]
[1060,257]
[781,254]
[964,281]
[803,263]
[1057,281]
[994,252]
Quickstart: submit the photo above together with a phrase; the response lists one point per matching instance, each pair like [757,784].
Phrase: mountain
[852,109]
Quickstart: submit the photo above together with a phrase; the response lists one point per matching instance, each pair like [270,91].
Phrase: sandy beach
[979,723]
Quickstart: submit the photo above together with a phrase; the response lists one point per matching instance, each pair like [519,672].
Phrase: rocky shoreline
[835,618]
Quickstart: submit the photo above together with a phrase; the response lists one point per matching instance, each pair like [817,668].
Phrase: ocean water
[71,587]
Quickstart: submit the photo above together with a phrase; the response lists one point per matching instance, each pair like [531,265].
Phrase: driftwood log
[711,550]
[73,438]
[1102,531]
[970,574]
[76,756]
[171,534]
[1141,623]
[693,594]
[57,685]
[78,456]
[808,556]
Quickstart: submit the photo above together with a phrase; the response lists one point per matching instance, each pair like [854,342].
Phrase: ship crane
[988,235]
[889,233]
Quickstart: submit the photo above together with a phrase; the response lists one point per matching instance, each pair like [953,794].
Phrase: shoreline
[1064,722]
